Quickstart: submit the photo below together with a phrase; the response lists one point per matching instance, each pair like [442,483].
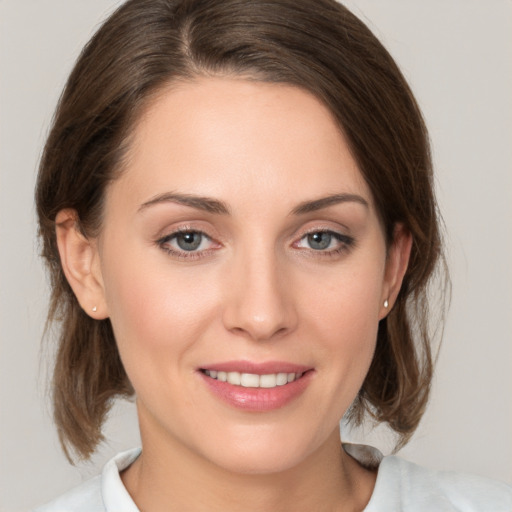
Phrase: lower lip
[258,399]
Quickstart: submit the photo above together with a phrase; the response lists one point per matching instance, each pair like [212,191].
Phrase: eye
[190,241]
[186,243]
[319,241]
[325,241]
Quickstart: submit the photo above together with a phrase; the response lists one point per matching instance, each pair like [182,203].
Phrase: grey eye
[189,241]
[319,241]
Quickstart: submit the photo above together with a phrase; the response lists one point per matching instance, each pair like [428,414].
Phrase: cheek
[344,315]
[348,302]
[154,312]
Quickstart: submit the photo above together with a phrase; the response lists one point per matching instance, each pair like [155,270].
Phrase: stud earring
[386,303]
[94,309]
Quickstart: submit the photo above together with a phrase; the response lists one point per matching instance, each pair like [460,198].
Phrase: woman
[236,208]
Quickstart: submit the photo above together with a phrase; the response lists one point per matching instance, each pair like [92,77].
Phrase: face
[244,270]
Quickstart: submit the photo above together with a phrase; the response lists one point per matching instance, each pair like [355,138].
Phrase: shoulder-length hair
[317,45]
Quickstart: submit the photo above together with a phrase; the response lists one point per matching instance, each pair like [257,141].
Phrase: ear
[81,264]
[397,261]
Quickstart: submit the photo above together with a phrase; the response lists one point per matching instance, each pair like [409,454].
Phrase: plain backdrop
[457,55]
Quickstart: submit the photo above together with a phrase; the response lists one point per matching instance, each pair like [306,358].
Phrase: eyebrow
[206,204]
[211,205]
[325,202]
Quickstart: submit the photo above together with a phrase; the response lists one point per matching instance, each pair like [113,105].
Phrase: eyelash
[183,255]
[346,244]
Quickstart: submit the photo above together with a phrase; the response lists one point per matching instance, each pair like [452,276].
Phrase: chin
[259,463]
[264,452]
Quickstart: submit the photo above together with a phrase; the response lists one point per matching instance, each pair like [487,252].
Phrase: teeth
[234,378]
[251,380]
[268,381]
[281,379]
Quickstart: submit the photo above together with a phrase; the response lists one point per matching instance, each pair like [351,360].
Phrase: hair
[317,45]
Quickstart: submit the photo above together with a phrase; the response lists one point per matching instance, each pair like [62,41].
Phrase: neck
[171,477]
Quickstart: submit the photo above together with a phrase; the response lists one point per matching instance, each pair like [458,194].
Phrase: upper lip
[263,368]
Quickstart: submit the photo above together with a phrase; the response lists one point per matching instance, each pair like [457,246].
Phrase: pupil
[189,241]
[319,241]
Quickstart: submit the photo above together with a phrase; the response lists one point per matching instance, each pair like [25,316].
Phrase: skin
[255,290]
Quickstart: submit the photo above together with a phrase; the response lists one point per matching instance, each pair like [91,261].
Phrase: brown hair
[317,45]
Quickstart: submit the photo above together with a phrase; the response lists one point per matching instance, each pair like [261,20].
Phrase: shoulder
[104,493]
[84,498]
[411,487]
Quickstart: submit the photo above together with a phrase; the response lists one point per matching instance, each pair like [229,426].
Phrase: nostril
[258,305]
[260,333]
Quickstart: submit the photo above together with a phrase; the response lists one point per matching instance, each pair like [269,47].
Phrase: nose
[259,301]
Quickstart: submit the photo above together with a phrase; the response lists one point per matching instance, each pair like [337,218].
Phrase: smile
[257,387]
[252,380]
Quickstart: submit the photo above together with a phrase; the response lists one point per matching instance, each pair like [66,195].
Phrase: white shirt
[401,487]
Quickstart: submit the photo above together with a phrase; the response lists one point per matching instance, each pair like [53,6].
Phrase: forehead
[234,138]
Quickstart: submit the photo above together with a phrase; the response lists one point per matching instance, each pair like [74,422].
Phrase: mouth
[254,380]
[257,387]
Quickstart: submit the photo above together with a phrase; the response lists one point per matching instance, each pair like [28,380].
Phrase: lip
[257,399]
[257,368]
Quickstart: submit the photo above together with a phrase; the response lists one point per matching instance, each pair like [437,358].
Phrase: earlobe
[80,263]
[396,266]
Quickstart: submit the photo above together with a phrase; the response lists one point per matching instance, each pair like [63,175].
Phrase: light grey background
[457,56]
